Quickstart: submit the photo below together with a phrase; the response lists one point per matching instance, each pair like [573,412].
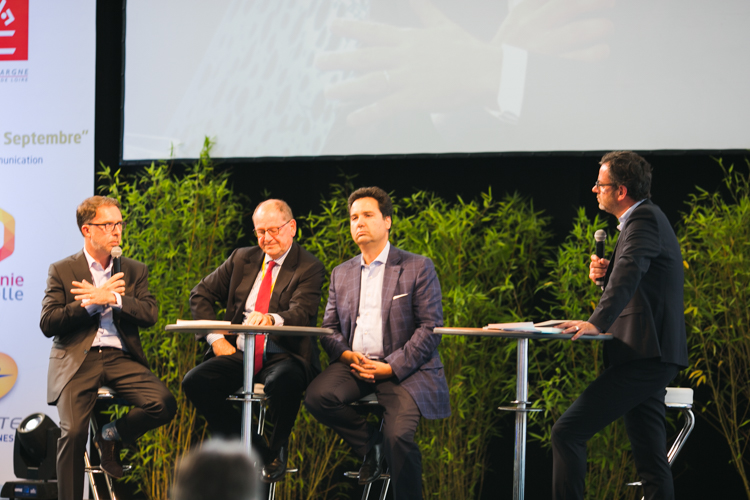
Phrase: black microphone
[600,236]
[116,253]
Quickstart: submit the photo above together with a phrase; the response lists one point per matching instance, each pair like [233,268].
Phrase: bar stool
[259,396]
[681,399]
[108,395]
[367,403]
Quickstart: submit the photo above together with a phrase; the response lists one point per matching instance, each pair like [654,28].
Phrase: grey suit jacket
[642,304]
[295,297]
[74,330]
[412,309]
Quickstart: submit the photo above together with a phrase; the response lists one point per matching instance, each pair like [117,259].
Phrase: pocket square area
[399,296]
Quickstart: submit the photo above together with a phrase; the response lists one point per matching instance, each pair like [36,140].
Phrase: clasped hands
[103,295]
[366,369]
[222,347]
[597,271]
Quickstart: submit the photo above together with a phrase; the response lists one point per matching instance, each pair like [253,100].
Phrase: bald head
[274,205]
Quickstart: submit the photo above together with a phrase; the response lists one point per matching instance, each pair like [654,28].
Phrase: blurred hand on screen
[440,66]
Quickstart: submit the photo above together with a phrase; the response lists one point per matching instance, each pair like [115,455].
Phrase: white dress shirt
[107,335]
[251,299]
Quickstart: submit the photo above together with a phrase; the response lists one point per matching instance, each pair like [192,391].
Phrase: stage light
[34,458]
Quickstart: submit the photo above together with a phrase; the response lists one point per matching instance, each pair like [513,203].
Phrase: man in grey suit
[642,307]
[94,317]
[383,306]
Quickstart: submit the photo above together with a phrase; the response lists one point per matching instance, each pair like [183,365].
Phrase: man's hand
[597,268]
[258,319]
[222,347]
[103,295]
[351,357]
[370,370]
[579,328]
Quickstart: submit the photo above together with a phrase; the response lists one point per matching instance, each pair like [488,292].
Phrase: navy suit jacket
[295,297]
[412,309]
[642,304]
[74,329]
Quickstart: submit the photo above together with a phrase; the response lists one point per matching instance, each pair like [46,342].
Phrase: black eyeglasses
[271,231]
[109,226]
[602,184]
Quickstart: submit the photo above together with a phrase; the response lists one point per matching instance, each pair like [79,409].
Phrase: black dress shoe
[276,469]
[372,467]
[110,456]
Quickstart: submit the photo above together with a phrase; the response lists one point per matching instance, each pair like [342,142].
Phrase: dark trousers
[634,390]
[154,406]
[328,400]
[208,385]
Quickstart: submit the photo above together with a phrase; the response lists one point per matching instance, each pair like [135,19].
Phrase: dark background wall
[558,184]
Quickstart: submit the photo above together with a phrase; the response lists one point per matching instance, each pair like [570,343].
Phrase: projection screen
[347,77]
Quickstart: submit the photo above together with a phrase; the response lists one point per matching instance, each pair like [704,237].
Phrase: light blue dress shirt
[368,335]
[107,335]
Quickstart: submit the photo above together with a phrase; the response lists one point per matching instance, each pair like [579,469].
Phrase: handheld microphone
[116,253]
[600,236]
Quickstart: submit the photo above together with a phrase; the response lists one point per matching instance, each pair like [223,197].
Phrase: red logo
[14,30]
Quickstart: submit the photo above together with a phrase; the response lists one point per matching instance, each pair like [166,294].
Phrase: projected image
[343,77]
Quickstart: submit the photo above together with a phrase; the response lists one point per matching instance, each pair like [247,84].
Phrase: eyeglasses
[271,231]
[109,226]
[602,184]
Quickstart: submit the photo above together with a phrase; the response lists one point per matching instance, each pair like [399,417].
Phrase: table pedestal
[521,409]
[522,387]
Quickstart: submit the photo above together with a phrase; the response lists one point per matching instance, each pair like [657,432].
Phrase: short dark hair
[384,201]
[220,469]
[630,170]
[86,211]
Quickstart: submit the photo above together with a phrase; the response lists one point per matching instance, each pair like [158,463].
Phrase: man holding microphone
[642,307]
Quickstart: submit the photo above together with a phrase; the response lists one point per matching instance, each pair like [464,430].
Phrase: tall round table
[249,357]
[522,386]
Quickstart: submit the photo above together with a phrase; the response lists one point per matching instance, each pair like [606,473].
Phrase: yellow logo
[8,374]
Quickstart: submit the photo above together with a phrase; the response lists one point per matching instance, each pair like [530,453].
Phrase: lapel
[353,284]
[617,243]
[285,276]
[390,279]
[249,273]
[81,269]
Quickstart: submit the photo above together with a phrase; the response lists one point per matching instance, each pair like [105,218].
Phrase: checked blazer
[411,310]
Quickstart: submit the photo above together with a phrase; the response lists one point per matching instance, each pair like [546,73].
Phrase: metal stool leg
[90,472]
[93,470]
[386,484]
[680,399]
[679,442]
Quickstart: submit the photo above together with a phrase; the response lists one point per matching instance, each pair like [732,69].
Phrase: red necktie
[261,306]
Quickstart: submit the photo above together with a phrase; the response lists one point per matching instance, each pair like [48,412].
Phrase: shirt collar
[278,261]
[381,258]
[93,264]
[624,217]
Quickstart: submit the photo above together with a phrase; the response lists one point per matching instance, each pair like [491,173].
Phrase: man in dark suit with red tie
[383,306]
[642,307]
[275,283]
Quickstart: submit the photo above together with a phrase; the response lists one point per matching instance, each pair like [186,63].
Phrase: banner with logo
[47,71]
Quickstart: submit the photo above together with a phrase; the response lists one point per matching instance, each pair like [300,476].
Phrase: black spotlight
[34,458]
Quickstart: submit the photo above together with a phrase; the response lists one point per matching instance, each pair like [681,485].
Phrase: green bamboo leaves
[715,241]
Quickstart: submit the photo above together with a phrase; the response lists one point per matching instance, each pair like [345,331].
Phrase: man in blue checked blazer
[383,306]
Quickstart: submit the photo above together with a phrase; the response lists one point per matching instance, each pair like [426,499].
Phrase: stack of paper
[527,327]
